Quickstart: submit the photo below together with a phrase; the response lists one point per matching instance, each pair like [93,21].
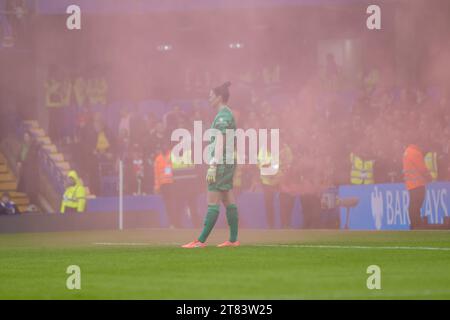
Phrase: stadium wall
[142,212]
[32,222]
[381,207]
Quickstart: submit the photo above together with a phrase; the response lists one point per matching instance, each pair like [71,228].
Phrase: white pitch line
[356,247]
[376,295]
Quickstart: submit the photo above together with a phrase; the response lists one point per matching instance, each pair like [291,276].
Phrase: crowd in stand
[319,128]
[320,132]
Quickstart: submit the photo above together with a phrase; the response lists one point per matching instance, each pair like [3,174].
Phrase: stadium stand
[8,183]
[51,159]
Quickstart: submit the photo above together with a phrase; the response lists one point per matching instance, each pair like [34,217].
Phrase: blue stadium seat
[159,108]
[109,186]
[185,105]
[434,94]
[278,101]
[202,103]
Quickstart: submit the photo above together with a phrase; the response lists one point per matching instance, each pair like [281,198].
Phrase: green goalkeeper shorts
[224,178]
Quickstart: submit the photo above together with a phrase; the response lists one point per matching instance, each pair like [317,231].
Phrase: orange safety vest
[415,172]
[163,170]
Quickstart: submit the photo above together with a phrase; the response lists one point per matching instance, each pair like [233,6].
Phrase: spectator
[157,137]
[125,154]
[196,115]
[7,206]
[444,156]
[124,122]
[331,69]
[152,121]
[173,118]
[123,144]
[104,141]
[103,148]
[58,94]
[26,167]
[138,171]
[84,143]
[138,128]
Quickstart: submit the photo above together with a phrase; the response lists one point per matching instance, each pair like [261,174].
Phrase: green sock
[210,221]
[232,218]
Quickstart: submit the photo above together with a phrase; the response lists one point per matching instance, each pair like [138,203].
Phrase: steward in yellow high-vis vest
[362,171]
[75,195]
[182,162]
[183,167]
[265,161]
[431,164]
[270,175]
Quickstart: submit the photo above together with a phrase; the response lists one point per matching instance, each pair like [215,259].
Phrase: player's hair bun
[222,91]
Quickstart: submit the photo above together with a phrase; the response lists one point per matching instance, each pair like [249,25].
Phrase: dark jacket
[8,208]
[28,180]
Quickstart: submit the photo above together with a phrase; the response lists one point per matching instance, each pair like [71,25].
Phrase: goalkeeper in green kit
[220,173]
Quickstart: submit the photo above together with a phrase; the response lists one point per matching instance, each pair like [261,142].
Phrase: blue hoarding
[385,206]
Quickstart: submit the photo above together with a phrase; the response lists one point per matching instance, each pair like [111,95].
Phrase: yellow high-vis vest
[74,196]
[182,162]
[431,163]
[362,171]
[264,161]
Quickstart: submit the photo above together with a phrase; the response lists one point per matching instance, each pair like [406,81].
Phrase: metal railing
[46,163]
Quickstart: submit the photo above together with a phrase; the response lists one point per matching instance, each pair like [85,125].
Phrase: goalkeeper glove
[211,174]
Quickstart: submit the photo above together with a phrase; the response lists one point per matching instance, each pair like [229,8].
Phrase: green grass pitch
[290,264]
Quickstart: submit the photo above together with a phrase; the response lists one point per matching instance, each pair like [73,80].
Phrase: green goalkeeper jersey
[224,120]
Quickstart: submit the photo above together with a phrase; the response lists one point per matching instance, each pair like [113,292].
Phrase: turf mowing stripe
[288,246]
[134,244]
[120,244]
[355,247]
